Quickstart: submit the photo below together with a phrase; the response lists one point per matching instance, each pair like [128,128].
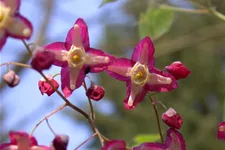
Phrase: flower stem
[90,103]
[157,118]
[92,136]
[47,116]
[27,47]
[55,75]
[46,119]
[16,64]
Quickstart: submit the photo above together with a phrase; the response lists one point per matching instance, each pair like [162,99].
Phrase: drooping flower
[221,131]
[60,142]
[12,23]
[22,141]
[45,87]
[172,118]
[42,60]
[11,78]
[114,145]
[77,58]
[174,141]
[178,70]
[95,92]
[140,74]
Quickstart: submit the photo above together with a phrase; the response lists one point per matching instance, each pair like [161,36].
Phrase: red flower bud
[172,118]
[178,70]
[11,78]
[95,92]
[45,87]
[114,145]
[42,60]
[221,131]
[60,142]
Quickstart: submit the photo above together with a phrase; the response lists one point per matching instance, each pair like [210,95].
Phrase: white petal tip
[27,32]
[169,80]
[130,103]
[76,26]
[107,59]
[72,87]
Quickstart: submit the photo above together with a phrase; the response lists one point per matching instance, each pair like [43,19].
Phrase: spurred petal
[172,118]
[65,80]
[83,31]
[134,95]
[143,52]
[40,148]
[21,138]
[3,38]
[156,82]
[8,146]
[20,28]
[221,131]
[60,51]
[115,145]
[174,140]
[97,58]
[150,146]
[120,69]
[13,4]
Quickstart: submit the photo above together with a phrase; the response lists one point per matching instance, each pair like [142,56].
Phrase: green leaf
[155,22]
[106,1]
[141,138]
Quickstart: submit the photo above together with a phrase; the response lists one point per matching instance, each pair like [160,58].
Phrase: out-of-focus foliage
[105,2]
[139,139]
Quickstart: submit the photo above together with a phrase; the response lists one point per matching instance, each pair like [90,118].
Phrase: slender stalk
[46,119]
[27,47]
[196,11]
[16,64]
[91,137]
[47,116]
[217,14]
[90,103]
[157,118]
[55,75]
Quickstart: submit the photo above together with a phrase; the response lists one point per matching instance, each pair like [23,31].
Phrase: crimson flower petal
[119,68]
[57,48]
[221,131]
[144,52]
[174,140]
[13,4]
[83,31]
[115,145]
[137,99]
[8,146]
[163,87]
[3,38]
[65,80]
[20,28]
[150,146]
[172,118]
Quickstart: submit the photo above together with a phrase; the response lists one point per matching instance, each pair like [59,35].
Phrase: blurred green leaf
[141,138]
[106,1]
[155,22]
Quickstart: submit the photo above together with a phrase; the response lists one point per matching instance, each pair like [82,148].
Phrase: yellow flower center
[1,15]
[76,57]
[139,74]
[5,17]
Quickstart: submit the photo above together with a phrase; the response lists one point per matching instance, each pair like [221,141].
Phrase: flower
[172,118]
[45,87]
[140,74]
[178,70]
[42,60]
[95,92]
[12,23]
[114,145]
[11,78]
[77,58]
[60,142]
[174,141]
[22,141]
[221,131]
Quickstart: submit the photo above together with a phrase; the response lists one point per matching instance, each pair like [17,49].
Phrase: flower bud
[221,131]
[95,92]
[178,70]
[45,87]
[172,118]
[11,78]
[114,145]
[42,60]
[60,142]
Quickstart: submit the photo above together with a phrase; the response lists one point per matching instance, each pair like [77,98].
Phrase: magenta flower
[140,74]
[95,92]
[45,87]
[22,141]
[114,145]
[221,131]
[77,58]
[60,142]
[178,70]
[174,141]
[12,23]
[172,118]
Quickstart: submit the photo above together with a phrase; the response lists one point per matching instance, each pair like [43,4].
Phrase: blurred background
[196,39]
